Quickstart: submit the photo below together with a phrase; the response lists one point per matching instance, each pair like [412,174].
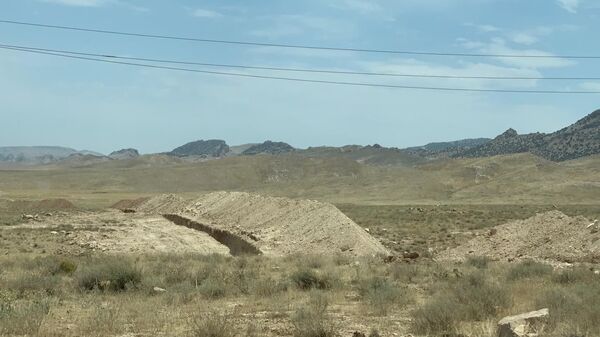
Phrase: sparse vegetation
[529,269]
[109,274]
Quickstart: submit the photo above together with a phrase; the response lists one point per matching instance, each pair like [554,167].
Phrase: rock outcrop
[203,148]
[269,147]
[124,154]
[522,325]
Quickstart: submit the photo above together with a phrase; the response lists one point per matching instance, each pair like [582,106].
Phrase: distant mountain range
[39,154]
[577,140]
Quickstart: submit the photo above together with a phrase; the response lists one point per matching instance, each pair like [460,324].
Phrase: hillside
[577,140]
[502,179]
[370,154]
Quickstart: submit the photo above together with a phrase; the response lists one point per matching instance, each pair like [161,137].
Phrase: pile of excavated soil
[129,203]
[55,204]
[161,204]
[281,226]
[551,236]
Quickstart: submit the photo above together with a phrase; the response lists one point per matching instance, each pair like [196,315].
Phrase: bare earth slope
[551,236]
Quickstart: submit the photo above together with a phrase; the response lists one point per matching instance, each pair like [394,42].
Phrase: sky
[48,100]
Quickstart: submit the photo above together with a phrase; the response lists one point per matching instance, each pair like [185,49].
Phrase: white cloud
[484,28]
[411,66]
[206,13]
[591,86]
[97,3]
[569,5]
[498,46]
[360,6]
[290,25]
[524,38]
[79,3]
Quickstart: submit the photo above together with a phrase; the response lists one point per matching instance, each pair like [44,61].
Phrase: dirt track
[115,232]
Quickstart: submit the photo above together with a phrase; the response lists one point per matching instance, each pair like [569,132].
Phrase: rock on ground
[522,325]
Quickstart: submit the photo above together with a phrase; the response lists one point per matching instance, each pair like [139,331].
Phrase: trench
[236,244]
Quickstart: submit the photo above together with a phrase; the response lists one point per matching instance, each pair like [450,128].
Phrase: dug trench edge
[236,244]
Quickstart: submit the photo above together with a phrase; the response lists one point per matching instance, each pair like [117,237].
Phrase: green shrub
[312,320]
[211,325]
[30,282]
[528,269]
[22,317]
[381,294]
[573,308]
[471,298]
[479,298]
[571,276]
[268,286]
[66,267]
[213,288]
[109,274]
[479,262]
[307,279]
[437,316]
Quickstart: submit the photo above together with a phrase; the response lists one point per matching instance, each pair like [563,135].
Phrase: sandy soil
[111,232]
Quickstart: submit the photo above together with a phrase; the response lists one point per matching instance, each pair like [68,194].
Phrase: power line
[339,72]
[294,46]
[356,84]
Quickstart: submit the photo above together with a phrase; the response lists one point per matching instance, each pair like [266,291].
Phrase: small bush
[437,316]
[404,272]
[213,288]
[307,279]
[573,308]
[111,274]
[22,317]
[471,298]
[479,262]
[479,298]
[312,320]
[381,294]
[268,286]
[528,269]
[571,276]
[211,325]
[29,282]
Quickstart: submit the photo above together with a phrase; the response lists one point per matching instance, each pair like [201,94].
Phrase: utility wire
[356,84]
[295,46]
[339,72]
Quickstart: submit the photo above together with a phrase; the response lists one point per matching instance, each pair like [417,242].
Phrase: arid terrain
[300,246]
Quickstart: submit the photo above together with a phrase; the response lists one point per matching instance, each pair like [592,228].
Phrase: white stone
[520,325]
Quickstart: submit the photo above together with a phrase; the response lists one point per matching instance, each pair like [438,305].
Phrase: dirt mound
[551,236]
[129,203]
[161,204]
[55,204]
[281,226]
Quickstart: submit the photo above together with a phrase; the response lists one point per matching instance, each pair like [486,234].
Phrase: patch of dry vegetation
[300,296]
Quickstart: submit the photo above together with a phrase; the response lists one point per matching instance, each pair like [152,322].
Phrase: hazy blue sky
[53,101]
